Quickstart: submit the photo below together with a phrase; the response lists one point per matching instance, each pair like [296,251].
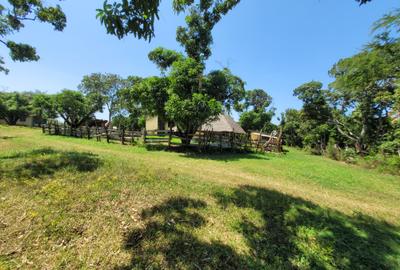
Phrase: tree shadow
[226,156]
[46,162]
[7,137]
[291,234]
[32,153]
[299,234]
[211,153]
[167,240]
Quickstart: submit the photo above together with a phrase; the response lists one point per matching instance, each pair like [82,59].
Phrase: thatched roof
[224,123]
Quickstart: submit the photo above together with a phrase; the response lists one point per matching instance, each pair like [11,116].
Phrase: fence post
[123,135]
[43,128]
[144,135]
[107,136]
[88,132]
[220,142]
[169,137]
[132,137]
[98,136]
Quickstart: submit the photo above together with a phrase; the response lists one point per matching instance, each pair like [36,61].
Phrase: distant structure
[29,121]
[224,123]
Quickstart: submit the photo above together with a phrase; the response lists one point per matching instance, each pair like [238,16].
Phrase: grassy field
[78,204]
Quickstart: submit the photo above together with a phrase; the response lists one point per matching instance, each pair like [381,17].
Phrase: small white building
[27,122]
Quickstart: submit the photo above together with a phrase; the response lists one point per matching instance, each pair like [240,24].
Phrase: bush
[333,151]
[349,155]
[388,164]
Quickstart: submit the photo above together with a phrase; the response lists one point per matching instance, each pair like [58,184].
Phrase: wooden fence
[122,135]
[203,140]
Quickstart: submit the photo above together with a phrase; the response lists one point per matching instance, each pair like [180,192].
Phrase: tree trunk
[186,141]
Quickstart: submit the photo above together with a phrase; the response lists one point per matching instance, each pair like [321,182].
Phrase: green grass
[79,204]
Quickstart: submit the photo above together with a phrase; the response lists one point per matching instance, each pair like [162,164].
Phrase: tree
[190,114]
[14,106]
[291,123]
[129,111]
[225,88]
[105,85]
[256,116]
[164,58]
[188,106]
[257,121]
[315,115]
[363,92]
[12,17]
[185,96]
[152,94]
[43,107]
[76,108]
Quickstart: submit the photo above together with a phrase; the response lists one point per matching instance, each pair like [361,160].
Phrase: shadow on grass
[226,156]
[292,234]
[211,154]
[167,240]
[6,137]
[46,161]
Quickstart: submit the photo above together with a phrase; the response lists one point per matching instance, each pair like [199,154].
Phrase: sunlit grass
[73,203]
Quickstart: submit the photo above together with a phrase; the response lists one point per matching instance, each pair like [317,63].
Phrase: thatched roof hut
[224,123]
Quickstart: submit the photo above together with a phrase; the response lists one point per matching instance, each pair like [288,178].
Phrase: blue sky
[271,44]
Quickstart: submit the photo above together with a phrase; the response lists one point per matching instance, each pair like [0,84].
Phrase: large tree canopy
[14,106]
[14,14]
[76,108]
[105,85]
[257,115]
[137,17]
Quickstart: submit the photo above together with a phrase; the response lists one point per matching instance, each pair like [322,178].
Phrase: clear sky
[271,44]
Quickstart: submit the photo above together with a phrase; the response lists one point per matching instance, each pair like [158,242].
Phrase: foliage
[186,96]
[291,123]
[164,58]
[257,117]
[257,121]
[226,88]
[388,22]
[14,106]
[76,108]
[257,99]
[105,85]
[190,114]
[315,115]
[362,94]
[12,17]
[130,121]
[137,17]
[129,113]
[196,38]
[43,107]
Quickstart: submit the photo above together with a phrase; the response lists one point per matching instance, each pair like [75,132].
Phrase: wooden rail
[203,140]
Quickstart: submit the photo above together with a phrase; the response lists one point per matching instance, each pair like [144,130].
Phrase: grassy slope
[84,204]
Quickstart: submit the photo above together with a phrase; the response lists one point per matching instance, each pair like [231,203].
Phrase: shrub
[349,155]
[333,151]
[384,163]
